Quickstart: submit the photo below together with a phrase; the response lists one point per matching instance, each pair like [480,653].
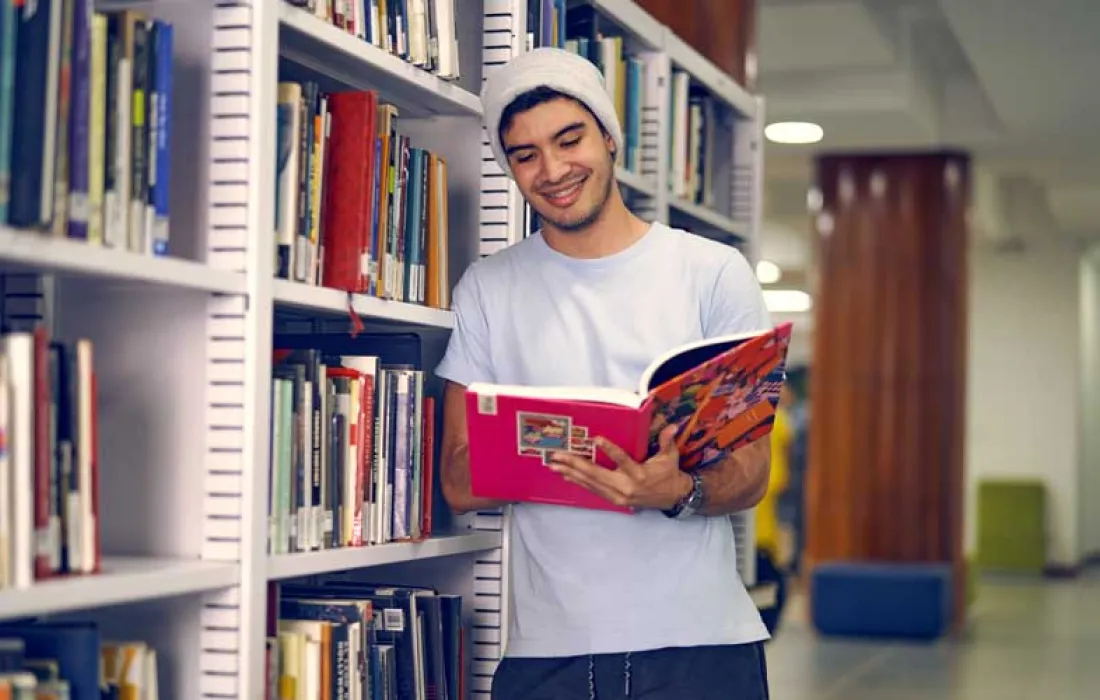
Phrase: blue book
[160,151]
[8,23]
[80,95]
[34,119]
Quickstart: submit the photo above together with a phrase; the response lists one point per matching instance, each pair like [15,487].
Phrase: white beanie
[554,68]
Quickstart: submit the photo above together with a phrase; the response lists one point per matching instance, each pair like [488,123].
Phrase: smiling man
[604,605]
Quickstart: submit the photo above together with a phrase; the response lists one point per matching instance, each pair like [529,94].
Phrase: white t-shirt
[591,582]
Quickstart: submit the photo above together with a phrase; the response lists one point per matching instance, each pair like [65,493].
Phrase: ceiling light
[794,132]
[787,301]
[768,272]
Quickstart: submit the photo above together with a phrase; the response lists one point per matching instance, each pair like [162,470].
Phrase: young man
[604,605]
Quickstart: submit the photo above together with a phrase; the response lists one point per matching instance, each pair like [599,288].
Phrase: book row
[49,462]
[339,638]
[358,207]
[85,121]
[421,32]
[352,447]
[694,113]
[46,660]
[692,143]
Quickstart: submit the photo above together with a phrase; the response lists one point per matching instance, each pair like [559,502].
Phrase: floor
[1027,640]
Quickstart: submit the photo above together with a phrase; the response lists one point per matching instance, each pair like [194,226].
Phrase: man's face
[562,163]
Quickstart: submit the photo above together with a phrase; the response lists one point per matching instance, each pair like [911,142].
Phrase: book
[721,393]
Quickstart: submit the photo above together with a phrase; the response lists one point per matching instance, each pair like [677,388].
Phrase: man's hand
[657,483]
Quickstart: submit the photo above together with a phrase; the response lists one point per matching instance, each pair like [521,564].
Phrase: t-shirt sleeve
[466,359]
[736,303]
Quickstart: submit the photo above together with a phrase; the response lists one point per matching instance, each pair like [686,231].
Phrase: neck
[615,230]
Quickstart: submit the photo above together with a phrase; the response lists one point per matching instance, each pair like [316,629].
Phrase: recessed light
[768,272]
[794,132]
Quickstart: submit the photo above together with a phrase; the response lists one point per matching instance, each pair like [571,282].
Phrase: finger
[591,471]
[666,440]
[585,477]
[617,455]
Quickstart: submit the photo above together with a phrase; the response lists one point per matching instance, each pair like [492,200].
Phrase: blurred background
[931,219]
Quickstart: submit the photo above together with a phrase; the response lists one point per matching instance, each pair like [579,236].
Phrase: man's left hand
[657,483]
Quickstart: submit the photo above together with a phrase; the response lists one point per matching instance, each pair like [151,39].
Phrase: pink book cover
[511,438]
[721,392]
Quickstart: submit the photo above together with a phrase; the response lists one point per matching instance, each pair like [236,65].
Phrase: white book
[19,349]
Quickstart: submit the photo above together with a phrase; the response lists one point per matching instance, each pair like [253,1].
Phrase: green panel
[1012,525]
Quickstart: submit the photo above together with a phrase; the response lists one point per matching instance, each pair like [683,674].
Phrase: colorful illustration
[722,404]
[537,431]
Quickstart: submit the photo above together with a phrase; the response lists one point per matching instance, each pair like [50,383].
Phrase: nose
[554,167]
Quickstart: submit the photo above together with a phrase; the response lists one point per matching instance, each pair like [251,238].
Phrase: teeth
[565,193]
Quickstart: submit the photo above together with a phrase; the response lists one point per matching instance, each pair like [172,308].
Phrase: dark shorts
[736,672]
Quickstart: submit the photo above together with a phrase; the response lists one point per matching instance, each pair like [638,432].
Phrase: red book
[348,209]
[721,392]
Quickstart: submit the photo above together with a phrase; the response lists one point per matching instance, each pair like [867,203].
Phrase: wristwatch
[690,504]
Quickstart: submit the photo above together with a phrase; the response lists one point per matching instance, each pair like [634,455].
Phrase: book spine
[80,122]
[8,24]
[97,128]
[160,148]
[139,126]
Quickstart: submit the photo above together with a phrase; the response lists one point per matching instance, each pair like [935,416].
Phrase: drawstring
[592,677]
[626,674]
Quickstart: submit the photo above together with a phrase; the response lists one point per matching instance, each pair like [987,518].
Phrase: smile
[566,197]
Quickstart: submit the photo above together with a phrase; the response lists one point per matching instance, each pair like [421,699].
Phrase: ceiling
[1012,81]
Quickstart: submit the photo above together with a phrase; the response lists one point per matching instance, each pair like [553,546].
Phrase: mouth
[565,196]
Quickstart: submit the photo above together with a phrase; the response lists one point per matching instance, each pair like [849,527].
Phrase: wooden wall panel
[722,30]
[885,480]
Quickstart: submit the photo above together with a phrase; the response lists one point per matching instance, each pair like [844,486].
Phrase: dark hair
[533,98]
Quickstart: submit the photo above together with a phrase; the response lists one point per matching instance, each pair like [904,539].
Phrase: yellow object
[767,511]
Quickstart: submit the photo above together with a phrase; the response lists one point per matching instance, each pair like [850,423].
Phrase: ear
[610,143]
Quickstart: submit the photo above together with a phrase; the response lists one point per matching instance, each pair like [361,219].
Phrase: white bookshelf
[183,344]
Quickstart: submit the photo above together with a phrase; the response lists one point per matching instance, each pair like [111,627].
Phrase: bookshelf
[183,340]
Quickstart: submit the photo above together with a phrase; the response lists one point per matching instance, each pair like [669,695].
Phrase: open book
[721,392]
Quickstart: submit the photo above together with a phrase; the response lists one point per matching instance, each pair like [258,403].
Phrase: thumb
[666,440]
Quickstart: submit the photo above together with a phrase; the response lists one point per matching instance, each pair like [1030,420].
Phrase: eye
[571,142]
[524,157]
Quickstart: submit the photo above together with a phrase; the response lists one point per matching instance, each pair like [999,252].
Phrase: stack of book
[85,122]
[421,32]
[352,444]
[347,639]
[45,660]
[49,466]
[358,207]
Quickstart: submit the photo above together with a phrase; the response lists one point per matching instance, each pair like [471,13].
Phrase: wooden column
[885,479]
[724,31]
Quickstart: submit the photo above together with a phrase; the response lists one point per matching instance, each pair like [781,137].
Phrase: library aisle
[1027,639]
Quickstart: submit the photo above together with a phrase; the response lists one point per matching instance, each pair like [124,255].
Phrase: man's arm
[455,455]
[738,482]
[737,305]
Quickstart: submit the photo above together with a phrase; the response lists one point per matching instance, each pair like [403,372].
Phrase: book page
[724,403]
[590,394]
[680,359]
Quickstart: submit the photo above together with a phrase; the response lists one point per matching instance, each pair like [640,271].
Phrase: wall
[1088,502]
[1023,379]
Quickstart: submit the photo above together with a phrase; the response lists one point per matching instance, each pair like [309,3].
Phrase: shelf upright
[241,137]
[500,224]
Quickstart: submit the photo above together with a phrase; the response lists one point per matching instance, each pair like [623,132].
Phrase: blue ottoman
[881,599]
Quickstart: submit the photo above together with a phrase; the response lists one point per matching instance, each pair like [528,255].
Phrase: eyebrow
[557,135]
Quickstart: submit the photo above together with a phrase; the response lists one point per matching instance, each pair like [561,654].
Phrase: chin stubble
[585,222]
